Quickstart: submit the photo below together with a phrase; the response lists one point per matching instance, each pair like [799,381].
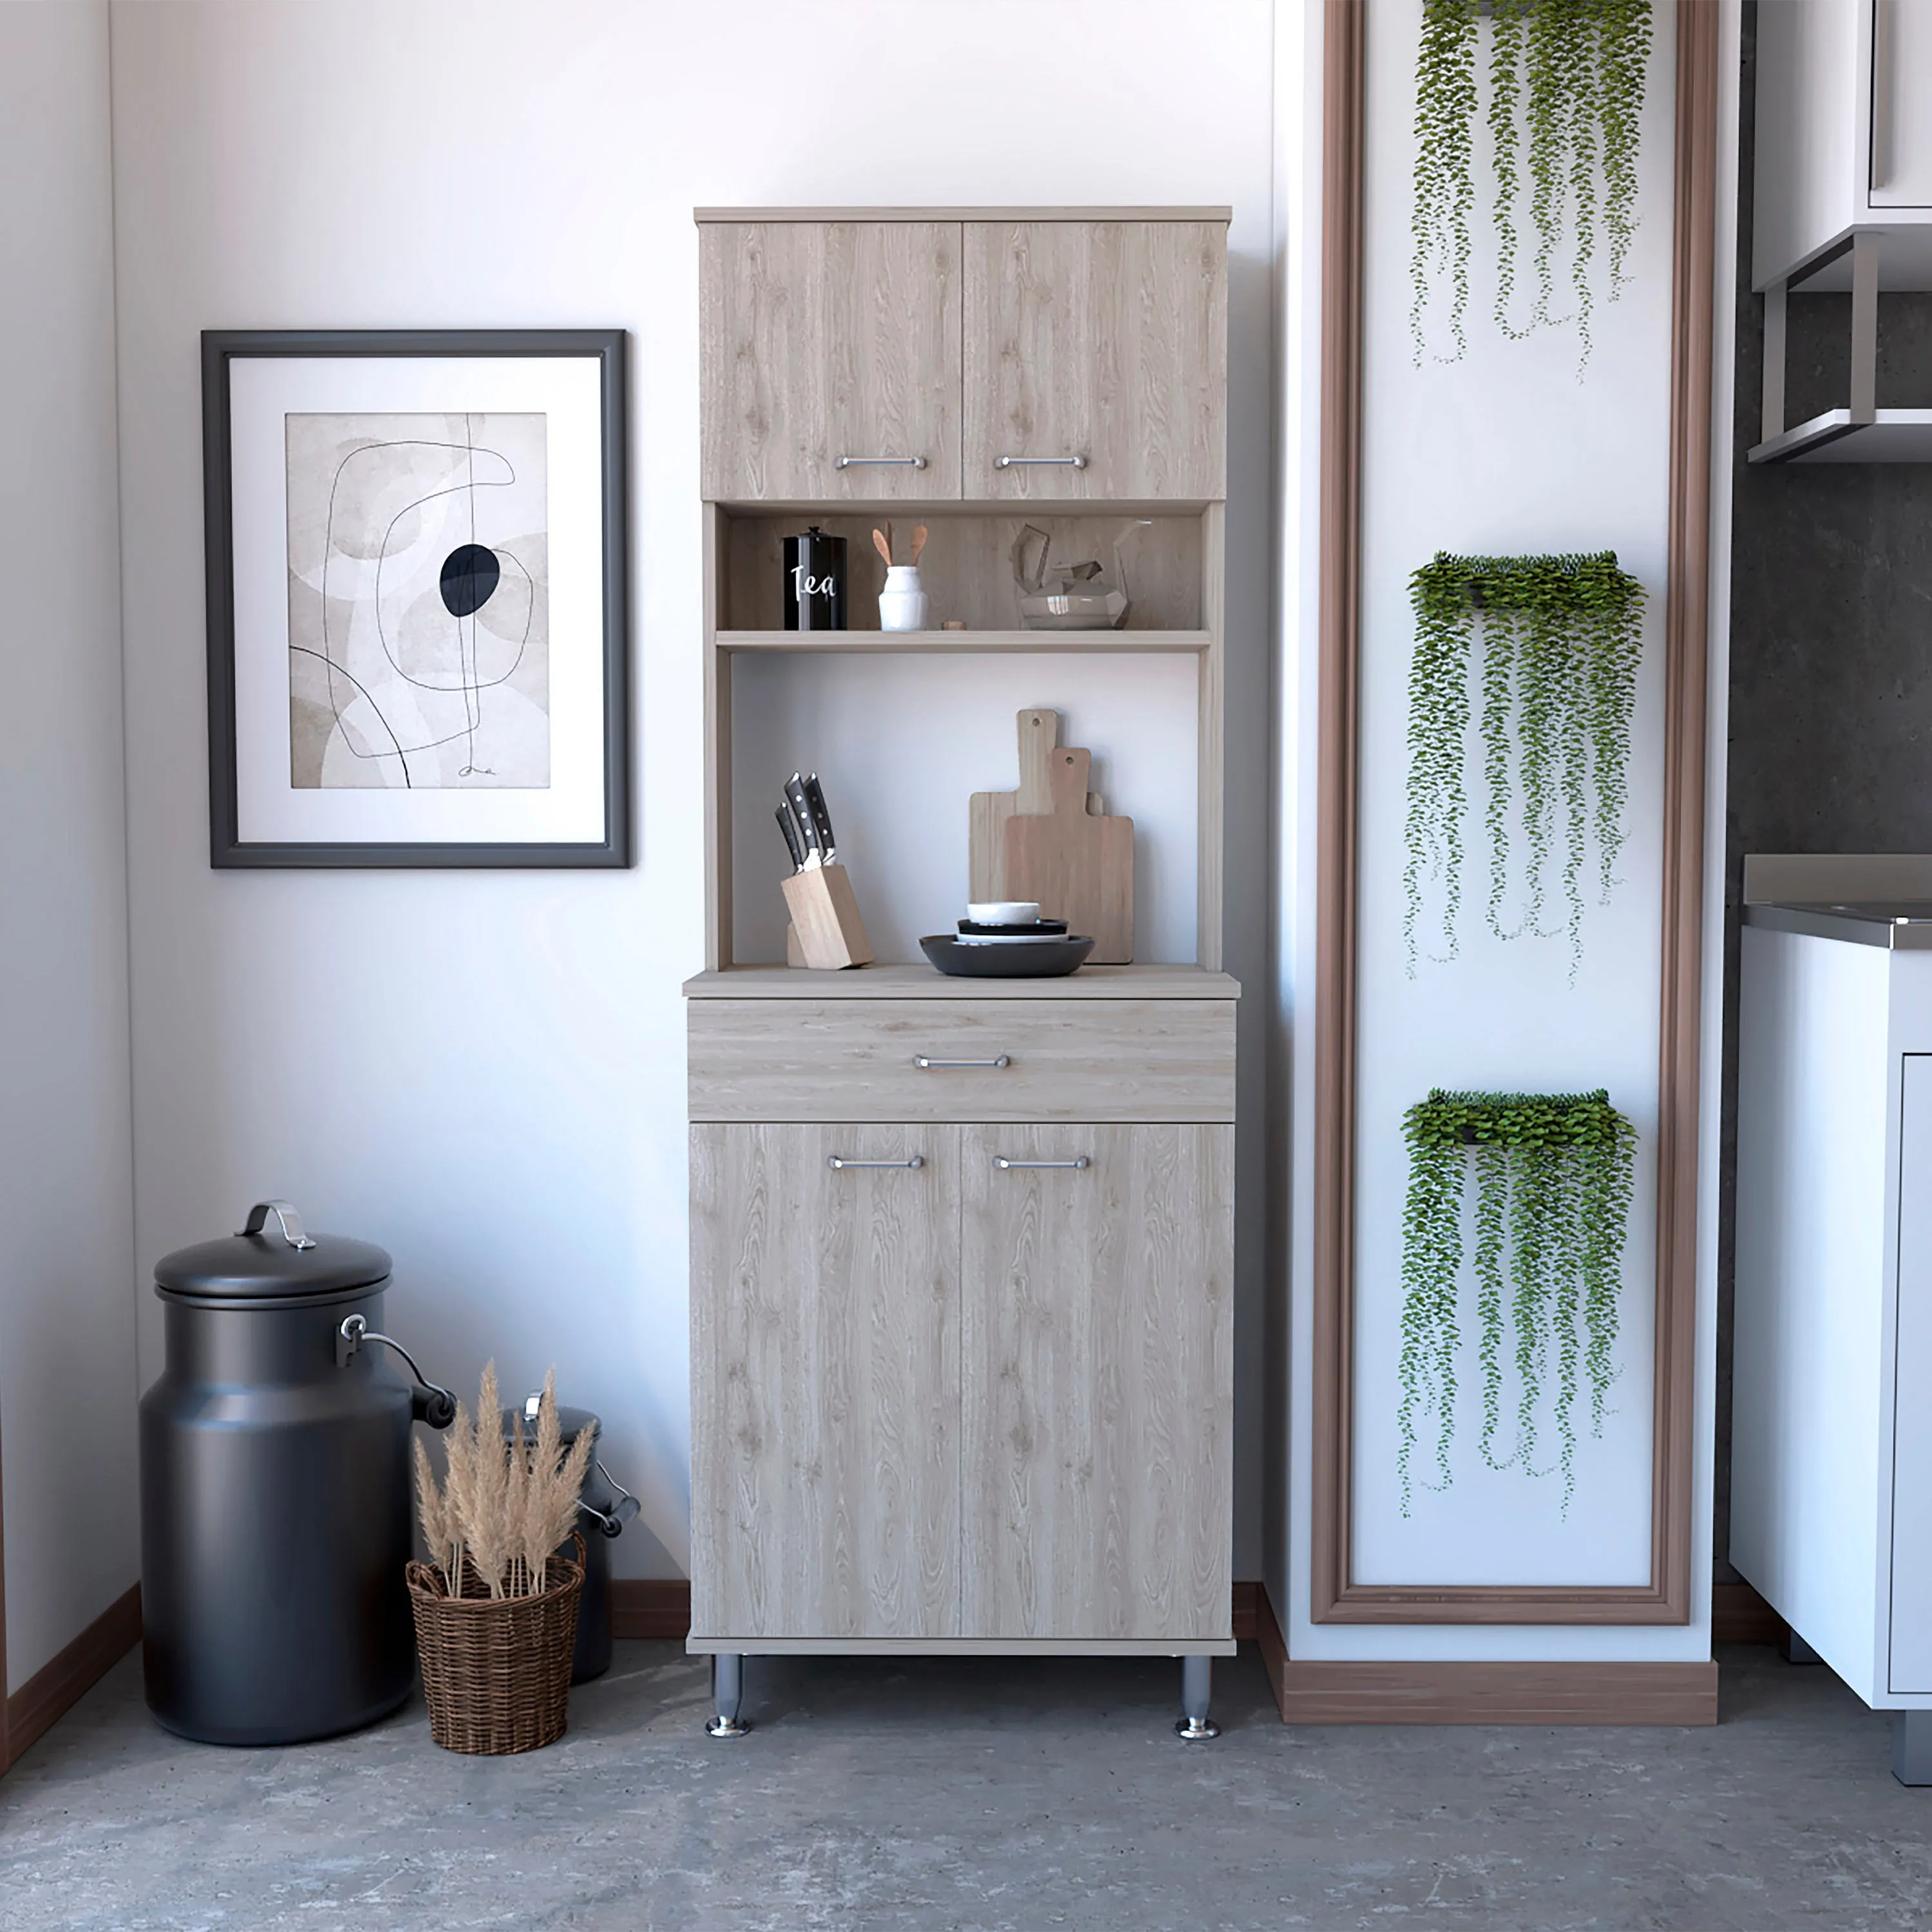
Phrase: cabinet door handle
[926,1065]
[838,1163]
[1039,462]
[1006,1166]
[876,462]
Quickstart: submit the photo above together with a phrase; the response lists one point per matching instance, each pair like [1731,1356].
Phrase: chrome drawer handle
[926,1065]
[1039,462]
[838,1162]
[888,462]
[1006,1166]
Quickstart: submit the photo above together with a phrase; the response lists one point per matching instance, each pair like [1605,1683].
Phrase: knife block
[825,917]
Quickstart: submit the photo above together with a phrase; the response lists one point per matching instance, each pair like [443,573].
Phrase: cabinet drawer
[858,1060]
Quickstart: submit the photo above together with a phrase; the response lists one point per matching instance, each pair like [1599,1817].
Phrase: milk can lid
[273,1257]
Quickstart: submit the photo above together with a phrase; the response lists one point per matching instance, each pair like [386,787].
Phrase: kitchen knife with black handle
[801,810]
[794,840]
[821,819]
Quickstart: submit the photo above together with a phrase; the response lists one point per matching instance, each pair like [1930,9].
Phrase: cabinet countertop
[926,982]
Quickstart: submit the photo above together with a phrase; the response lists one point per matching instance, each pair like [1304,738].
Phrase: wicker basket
[496,1670]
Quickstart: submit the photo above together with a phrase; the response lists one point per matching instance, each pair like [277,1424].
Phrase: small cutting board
[1080,867]
[988,812]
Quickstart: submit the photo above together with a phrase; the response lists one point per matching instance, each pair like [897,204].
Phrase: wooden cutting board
[1080,867]
[988,811]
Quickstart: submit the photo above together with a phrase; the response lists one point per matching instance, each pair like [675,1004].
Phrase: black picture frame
[220,350]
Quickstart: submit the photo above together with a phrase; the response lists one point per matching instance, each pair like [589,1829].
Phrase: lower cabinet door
[825,1378]
[1096,1436]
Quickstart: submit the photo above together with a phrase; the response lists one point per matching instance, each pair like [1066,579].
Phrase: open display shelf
[917,641]
[1891,435]
[1172,552]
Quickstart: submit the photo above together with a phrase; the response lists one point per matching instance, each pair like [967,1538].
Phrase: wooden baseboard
[60,1684]
[1499,1693]
[663,1609]
[1326,1693]
[1274,1647]
[1738,1615]
[650,1609]
[1246,1607]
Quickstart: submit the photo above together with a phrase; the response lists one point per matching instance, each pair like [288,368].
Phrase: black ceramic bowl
[1051,959]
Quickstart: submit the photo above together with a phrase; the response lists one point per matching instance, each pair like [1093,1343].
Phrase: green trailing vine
[1562,640]
[1554,1175]
[1566,84]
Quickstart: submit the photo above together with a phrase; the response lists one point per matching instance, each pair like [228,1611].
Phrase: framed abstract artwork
[416,597]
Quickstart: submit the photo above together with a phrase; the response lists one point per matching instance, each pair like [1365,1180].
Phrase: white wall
[1503,452]
[485,1072]
[67,1326]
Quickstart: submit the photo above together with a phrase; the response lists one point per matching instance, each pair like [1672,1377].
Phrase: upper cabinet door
[1097,358]
[829,354]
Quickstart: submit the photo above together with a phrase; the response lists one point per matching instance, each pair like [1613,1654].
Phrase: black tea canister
[814,582]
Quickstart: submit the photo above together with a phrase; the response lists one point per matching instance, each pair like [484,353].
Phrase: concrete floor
[981,1797]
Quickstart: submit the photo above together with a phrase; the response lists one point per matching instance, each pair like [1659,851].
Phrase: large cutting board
[988,812]
[1079,866]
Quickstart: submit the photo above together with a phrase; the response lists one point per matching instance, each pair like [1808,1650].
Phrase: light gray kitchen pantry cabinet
[961,1250]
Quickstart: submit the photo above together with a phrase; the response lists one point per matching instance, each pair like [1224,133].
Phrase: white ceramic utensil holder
[902,603]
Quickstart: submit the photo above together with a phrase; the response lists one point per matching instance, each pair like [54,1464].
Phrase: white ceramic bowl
[1003,912]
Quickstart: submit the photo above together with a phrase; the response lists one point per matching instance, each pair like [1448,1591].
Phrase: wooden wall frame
[1666,1598]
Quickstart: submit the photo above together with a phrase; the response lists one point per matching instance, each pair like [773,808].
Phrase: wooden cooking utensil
[882,544]
[918,541]
[1080,868]
[988,812]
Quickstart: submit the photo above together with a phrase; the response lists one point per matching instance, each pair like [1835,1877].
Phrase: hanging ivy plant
[1571,72]
[1554,1176]
[1562,640]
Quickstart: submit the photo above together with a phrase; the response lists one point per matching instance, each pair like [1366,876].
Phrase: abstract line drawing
[419,602]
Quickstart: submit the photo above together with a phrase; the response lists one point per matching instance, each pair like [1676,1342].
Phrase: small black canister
[814,582]
[604,1507]
[276,1515]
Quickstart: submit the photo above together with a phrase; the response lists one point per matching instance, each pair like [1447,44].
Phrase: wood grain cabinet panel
[820,340]
[1097,1372]
[992,1060]
[825,1375]
[1103,339]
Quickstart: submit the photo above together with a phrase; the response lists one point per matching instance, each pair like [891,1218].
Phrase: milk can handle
[430,1403]
[628,1507]
[284,1211]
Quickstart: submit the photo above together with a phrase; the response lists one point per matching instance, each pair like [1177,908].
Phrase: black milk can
[276,1514]
[604,1507]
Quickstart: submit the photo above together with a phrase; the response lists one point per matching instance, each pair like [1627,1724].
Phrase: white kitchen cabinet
[1842,201]
[1831,1432]
[1844,138]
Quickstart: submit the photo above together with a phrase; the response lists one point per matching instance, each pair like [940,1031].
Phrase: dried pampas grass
[505,1506]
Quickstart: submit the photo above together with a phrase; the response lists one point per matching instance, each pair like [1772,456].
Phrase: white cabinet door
[1912,1392]
[1901,103]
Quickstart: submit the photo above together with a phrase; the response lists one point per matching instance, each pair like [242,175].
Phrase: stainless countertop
[1902,925]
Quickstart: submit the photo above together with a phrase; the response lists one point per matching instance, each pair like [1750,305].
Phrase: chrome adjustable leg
[1197,1681]
[1912,1746]
[727,1691]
